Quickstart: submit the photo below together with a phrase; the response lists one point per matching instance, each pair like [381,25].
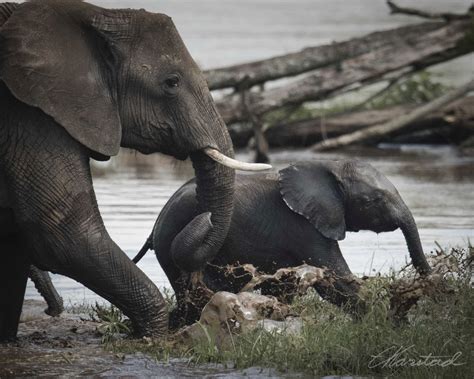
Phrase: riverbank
[435,339]
[71,346]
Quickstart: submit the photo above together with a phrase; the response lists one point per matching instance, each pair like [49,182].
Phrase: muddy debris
[227,314]
[70,346]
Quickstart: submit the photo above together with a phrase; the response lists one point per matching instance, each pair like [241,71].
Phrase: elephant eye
[172,81]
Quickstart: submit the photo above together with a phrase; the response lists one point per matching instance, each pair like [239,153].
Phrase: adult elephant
[286,219]
[78,81]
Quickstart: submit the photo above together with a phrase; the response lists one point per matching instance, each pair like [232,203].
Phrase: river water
[436,182]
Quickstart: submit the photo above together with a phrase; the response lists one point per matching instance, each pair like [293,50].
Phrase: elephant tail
[147,246]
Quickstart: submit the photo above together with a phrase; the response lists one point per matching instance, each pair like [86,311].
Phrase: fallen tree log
[311,58]
[457,117]
[395,9]
[439,42]
[384,129]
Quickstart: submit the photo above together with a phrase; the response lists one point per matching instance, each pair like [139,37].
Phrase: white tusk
[235,164]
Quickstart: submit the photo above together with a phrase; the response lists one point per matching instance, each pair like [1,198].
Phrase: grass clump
[436,339]
[112,323]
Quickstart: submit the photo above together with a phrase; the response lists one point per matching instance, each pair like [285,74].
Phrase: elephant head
[124,77]
[340,196]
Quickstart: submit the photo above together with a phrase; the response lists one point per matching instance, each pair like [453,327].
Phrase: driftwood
[430,43]
[308,59]
[375,132]
[457,118]
[327,71]
[395,9]
[311,58]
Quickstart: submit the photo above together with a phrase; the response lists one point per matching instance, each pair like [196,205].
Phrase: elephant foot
[54,312]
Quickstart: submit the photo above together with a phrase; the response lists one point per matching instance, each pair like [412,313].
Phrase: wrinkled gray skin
[78,81]
[45,287]
[287,218]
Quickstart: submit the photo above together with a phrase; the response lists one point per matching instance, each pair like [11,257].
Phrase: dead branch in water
[308,59]
[457,117]
[312,58]
[391,126]
[395,9]
[429,44]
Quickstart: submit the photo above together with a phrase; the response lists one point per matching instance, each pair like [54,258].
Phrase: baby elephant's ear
[51,58]
[312,190]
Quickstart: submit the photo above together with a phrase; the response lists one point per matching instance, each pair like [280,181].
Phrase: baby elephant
[288,218]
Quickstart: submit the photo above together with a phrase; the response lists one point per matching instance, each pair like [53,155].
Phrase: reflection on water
[436,183]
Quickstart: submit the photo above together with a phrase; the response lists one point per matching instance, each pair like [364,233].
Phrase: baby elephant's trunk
[410,231]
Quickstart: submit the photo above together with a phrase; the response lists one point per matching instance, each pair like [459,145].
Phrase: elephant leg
[186,311]
[343,291]
[13,278]
[48,177]
[177,317]
[45,287]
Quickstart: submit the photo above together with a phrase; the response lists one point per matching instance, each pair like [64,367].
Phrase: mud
[69,346]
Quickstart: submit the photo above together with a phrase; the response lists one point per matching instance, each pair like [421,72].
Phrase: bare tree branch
[426,45]
[395,9]
[308,59]
[396,124]
[455,122]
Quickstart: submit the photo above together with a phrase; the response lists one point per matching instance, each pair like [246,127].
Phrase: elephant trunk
[410,231]
[201,239]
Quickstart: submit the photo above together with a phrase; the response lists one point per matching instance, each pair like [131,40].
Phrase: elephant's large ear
[312,190]
[50,59]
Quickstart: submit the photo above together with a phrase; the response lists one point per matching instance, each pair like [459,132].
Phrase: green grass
[332,343]
[112,322]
